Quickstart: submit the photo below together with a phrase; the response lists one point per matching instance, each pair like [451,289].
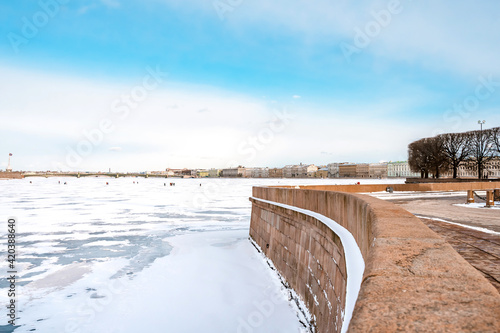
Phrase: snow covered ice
[140,257]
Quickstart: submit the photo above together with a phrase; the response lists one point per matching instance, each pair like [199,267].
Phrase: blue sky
[233,67]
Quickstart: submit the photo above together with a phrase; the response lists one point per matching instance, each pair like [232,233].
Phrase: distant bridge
[95,174]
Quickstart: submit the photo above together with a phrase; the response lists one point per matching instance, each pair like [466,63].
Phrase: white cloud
[67,111]
[167,129]
[461,37]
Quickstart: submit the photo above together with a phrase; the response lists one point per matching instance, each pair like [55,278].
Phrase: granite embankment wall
[11,175]
[413,280]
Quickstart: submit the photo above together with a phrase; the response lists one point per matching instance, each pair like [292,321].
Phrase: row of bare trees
[445,152]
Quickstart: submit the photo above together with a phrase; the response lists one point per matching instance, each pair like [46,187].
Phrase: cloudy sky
[145,85]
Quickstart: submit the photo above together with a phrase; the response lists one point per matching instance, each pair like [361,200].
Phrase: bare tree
[437,157]
[427,156]
[495,137]
[418,158]
[482,150]
[456,148]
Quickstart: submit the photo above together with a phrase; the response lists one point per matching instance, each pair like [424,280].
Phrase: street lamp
[481,122]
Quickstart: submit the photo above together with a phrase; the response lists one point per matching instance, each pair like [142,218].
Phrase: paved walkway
[444,208]
[480,249]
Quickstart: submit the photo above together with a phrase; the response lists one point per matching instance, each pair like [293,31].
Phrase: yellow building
[322,173]
[202,173]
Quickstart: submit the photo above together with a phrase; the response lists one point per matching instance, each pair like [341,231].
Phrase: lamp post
[481,123]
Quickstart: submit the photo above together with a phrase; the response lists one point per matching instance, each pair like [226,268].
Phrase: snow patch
[479,205]
[460,224]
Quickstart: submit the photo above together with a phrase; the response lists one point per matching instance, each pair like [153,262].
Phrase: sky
[155,84]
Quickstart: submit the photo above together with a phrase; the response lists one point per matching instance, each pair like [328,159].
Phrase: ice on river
[140,255]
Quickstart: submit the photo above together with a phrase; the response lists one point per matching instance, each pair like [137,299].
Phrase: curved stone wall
[413,280]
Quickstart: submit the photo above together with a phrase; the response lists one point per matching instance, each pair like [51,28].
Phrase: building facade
[322,173]
[202,173]
[347,171]
[468,169]
[260,173]
[493,168]
[214,173]
[400,169]
[232,172]
[333,170]
[239,172]
[363,170]
[302,171]
[287,171]
[276,173]
[378,170]
[311,170]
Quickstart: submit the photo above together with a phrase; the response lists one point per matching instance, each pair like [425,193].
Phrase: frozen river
[138,255]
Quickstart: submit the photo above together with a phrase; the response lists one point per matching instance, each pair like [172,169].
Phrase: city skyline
[92,85]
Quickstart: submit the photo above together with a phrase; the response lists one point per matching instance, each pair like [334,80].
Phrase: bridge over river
[96,174]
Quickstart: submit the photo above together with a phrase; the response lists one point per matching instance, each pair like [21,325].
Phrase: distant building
[247,172]
[185,173]
[300,171]
[239,172]
[276,173]
[173,172]
[468,169]
[296,171]
[400,169]
[492,169]
[288,171]
[363,170]
[260,173]
[347,171]
[202,173]
[333,170]
[232,172]
[310,170]
[378,170]
[322,173]
[214,173]
[465,170]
